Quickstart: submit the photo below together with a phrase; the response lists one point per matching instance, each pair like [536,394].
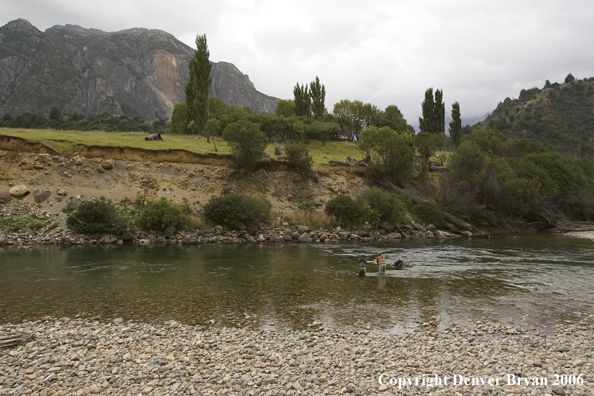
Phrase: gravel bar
[117,357]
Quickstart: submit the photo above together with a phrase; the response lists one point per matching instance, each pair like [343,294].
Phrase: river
[533,280]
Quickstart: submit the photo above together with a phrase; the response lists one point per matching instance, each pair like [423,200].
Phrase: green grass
[67,142]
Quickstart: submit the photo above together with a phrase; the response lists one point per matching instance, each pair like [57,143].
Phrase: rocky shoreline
[116,357]
[58,234]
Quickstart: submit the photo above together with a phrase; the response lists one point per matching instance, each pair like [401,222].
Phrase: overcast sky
[378,51]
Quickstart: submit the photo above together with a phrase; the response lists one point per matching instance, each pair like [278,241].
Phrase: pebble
[117,357]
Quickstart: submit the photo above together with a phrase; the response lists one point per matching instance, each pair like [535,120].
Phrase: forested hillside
[560,115]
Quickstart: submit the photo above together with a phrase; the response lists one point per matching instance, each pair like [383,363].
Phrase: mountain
[88,71]
[560,115]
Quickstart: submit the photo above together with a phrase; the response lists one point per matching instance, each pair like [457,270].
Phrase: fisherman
[398,264]
[362,263]
[381,261]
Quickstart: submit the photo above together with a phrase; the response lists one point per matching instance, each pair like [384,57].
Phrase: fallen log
[12,340]
[340,163]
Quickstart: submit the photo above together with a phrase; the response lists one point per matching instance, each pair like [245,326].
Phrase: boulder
[107,164]
[5,196]
[303,194]
[305,238]
[110,239]
[301,229]
[344,235]
[384,225]
[41,196]
[73,202]
[19,191]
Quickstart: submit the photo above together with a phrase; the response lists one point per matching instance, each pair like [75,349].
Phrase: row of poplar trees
[433,119]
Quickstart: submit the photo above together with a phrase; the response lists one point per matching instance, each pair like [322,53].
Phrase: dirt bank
[121,172]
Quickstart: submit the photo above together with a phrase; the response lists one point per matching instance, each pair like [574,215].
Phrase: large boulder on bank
[19,191]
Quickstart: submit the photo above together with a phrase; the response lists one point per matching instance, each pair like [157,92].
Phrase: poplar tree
[302,100]
[427,123]
[317,93]
[456,124]
[439,112]
[198,88]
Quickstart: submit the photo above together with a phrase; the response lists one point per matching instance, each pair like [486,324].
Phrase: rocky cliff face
[87,71]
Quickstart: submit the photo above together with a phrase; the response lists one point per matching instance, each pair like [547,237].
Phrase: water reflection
[533,280]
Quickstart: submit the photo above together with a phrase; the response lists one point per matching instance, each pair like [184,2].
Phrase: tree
[198,87]
[456,125]
[394,119]
[353,116]
[427,122]
[439,112]
[285,108]
[298,158]
[247,143]
[180,119]
[302,100]
[317,93]
[55,114]
[390,152]
[426,146]
[569,78]
[213,127]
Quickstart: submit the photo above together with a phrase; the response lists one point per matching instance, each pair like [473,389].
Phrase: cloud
[381,52]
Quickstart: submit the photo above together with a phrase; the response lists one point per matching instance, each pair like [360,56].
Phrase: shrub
[380,206]
[237,211]
[247,143]
[95,217]
[157,215]
[345,209]
[429,213]
[298,158]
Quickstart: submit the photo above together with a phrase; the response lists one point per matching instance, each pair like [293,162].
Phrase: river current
[534,281]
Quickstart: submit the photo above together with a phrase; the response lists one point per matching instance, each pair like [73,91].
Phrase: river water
[533,281]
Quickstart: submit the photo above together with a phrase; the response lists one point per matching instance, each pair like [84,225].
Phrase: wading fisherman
[381,261]
[362,263]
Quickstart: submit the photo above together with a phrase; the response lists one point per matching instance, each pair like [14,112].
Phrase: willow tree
[198,88]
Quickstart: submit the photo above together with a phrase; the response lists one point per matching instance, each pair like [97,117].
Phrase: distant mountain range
[559,115]
[88,71]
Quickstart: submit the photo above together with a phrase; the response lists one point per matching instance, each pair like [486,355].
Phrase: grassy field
[67,142]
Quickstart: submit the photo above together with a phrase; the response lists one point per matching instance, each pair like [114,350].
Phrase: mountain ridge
[135,71]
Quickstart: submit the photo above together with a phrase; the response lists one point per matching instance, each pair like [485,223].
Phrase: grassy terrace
[67,142]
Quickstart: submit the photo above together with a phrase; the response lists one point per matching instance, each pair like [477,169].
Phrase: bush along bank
[17,221]
[236,218]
